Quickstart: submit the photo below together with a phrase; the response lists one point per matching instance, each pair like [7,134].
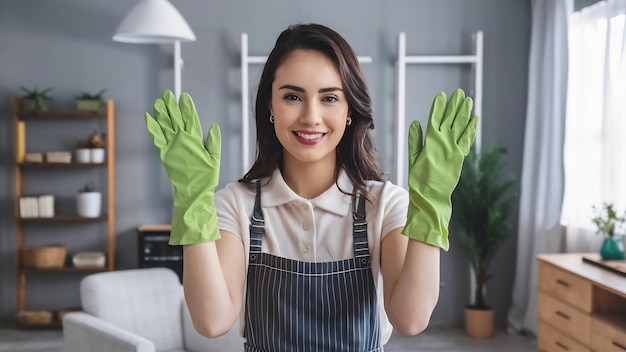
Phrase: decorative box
[91,259]
[59,157]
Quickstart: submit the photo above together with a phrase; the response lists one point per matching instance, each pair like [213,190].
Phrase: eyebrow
[300,89]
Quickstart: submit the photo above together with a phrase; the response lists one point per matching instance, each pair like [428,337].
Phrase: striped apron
[307,306]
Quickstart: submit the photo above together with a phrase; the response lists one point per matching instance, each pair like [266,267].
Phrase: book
[45,204]
[33,157]
[40,206]
[28,207]
[20,141]
[615,266]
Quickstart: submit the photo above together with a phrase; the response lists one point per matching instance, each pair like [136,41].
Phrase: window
[595,136]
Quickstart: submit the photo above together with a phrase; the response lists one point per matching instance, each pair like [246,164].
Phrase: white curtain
[595,140]
[541,195]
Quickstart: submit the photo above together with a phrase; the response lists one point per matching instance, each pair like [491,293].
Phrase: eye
[291,97]
[330,99]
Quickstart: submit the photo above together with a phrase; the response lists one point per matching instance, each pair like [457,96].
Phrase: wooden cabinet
[580,306]
[46,175]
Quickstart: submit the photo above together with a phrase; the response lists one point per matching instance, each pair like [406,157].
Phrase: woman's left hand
[435,166]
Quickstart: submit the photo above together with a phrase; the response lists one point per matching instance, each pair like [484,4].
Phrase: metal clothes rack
[403,60]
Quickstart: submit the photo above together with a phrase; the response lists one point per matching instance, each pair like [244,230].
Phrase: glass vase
[612,248]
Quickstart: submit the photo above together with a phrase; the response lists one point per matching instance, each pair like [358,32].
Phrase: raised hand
[435,166]
[192,165]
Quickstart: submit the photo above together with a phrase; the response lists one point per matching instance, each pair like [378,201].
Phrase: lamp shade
[154,22]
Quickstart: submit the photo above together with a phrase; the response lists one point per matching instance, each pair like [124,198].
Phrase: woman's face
[309,107]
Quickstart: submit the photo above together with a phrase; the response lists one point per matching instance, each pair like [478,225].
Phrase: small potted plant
[96,143]
[90,102]
[91,149]
[482,205]
[612,226]
[89,201]
[36,100]
[83,153]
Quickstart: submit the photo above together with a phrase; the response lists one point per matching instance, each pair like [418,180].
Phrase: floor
[435,338]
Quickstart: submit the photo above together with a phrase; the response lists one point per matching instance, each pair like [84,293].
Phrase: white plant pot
[97,155]
[83,155]
[89,204]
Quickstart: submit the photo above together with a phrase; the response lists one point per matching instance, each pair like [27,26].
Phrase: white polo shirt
[315,230]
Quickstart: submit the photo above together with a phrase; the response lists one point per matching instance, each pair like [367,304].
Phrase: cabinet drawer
[564,318]
[605,337]
[565,286]
[551,340]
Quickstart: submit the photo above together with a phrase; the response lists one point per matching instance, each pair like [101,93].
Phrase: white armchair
[137,310]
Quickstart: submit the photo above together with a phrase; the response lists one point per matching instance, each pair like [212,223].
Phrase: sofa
[139,310]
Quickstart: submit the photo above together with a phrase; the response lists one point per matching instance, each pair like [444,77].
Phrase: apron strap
[257,223]
[359,232]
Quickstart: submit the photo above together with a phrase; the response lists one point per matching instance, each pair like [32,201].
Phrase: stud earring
[349,121]
[271,118]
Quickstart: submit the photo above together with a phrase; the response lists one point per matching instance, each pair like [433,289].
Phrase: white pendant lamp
[157,22]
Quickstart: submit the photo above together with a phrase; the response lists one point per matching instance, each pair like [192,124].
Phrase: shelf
[61,114]
[65,218]
[61,165]
[55,324]
[66,269]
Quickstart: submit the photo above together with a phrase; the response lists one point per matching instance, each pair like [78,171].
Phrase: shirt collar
[332,200]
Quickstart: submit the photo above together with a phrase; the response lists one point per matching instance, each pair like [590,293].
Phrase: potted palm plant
[482,204]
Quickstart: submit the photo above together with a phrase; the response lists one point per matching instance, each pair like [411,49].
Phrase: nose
[311,113]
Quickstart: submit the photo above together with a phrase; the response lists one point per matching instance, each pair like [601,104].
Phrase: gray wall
[67,44]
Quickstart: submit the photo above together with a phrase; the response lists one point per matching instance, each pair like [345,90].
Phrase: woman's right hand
[192,165]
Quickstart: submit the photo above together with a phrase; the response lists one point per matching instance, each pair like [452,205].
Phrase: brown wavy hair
[356,151]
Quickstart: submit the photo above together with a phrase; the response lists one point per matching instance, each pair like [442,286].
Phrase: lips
[308,138]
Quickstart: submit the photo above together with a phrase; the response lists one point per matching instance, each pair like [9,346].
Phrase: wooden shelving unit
[108,214]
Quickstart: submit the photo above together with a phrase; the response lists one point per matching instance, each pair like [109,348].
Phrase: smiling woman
[309,241]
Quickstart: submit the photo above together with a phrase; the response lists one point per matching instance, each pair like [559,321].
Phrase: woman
[312,249]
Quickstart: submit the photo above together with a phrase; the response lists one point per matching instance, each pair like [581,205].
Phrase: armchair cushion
[146,302]
[85,332]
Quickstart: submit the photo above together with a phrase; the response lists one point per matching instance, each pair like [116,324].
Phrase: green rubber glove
[435,167]
[192,165]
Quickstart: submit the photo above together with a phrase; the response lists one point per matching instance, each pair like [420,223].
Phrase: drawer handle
[562,283]
[619,345]
[562,315]
[562,345]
